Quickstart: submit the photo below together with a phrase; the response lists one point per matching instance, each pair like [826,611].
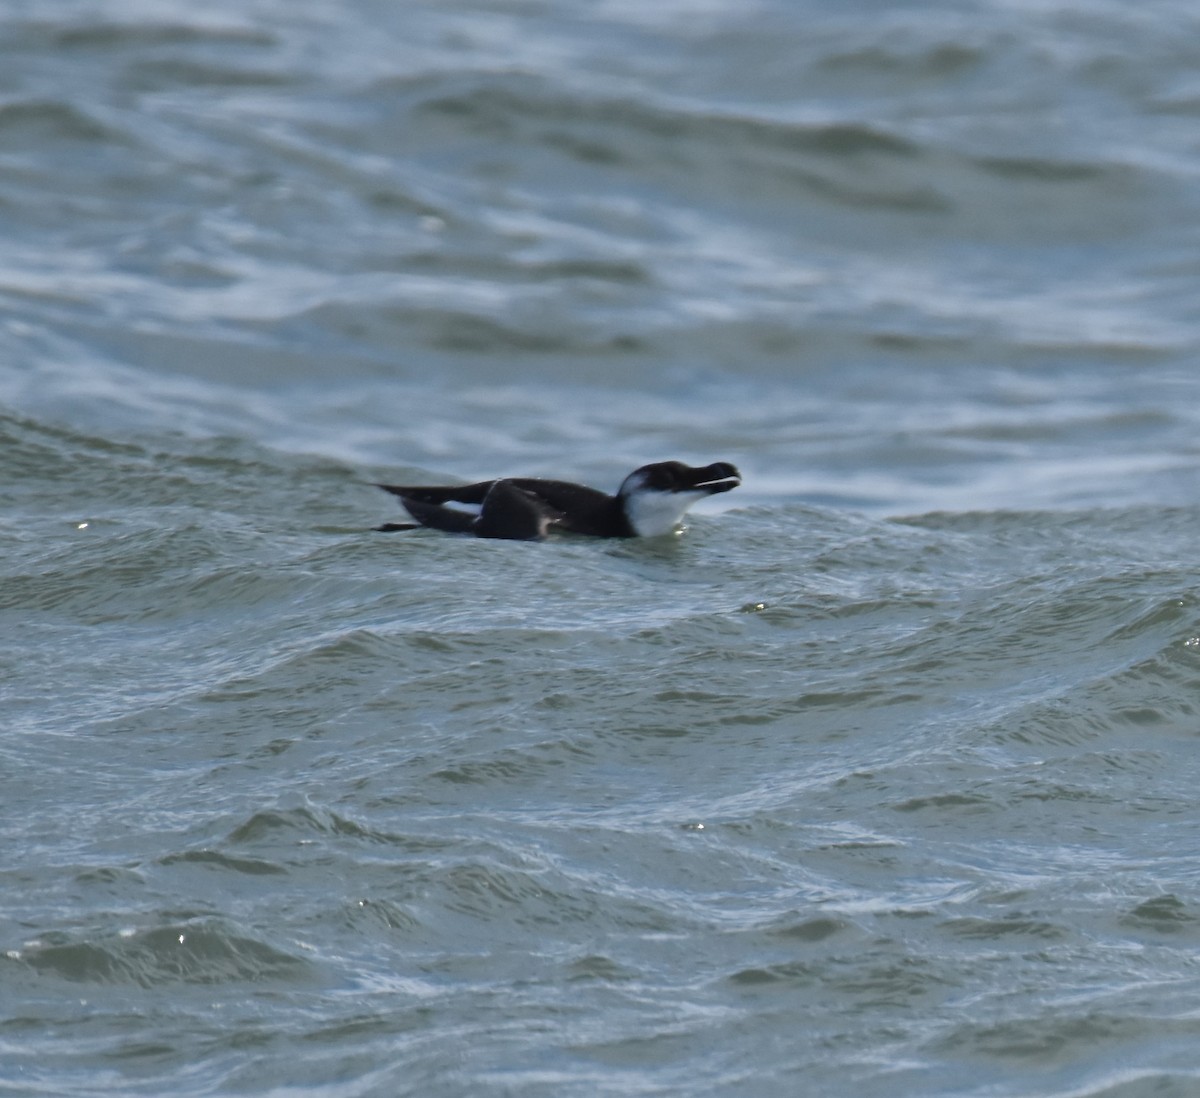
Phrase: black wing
[580,509]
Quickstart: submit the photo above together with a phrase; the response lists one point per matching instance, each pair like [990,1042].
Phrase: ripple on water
[195,952]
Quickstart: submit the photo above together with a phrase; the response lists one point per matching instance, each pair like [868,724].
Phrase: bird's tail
[391,527]
[439,518]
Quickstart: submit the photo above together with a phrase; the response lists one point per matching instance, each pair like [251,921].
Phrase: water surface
[879,778]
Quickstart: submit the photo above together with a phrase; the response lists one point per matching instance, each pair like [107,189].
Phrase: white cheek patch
[652,513]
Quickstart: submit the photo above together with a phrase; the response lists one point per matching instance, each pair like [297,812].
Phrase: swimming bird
[651,500]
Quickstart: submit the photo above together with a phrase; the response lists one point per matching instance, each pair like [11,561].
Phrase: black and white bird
[651,500]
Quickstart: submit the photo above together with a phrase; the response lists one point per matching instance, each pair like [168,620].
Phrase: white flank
[652,513]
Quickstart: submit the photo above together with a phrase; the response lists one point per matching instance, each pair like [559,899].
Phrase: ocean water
[878,779]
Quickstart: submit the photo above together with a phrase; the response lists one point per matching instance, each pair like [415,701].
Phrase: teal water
[876,779]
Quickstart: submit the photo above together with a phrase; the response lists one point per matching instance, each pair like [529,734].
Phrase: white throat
[651,513]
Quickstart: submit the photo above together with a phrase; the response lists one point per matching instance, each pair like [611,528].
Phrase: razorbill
[650,501]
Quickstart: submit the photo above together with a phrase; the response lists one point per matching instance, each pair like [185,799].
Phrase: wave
[203,951]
